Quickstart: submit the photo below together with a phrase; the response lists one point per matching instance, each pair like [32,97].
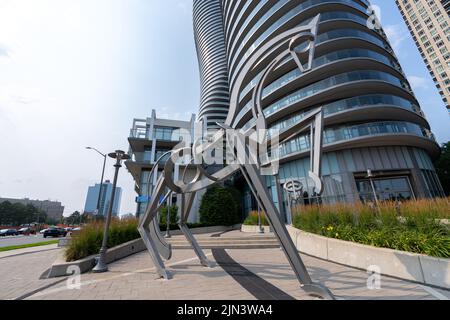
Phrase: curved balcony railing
[343,133]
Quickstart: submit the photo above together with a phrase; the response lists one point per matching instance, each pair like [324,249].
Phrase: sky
[75,74]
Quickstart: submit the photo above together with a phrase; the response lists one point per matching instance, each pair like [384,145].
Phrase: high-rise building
[105,199]
[429,24]
[372,117]
[212,58]
[446,5]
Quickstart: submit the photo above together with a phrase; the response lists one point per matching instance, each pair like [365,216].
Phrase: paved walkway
[266,269]
[21,270]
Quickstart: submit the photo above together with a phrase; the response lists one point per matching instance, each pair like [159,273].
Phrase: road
[20,240]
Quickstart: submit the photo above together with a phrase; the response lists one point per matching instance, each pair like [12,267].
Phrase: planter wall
[400,264]
[254,229]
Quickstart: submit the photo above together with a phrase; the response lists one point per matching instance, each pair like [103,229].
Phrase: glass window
[386,189]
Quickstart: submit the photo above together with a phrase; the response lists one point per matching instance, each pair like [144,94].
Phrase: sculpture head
[308,39]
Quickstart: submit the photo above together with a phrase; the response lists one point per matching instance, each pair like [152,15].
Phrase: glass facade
[354,67]
[392,189]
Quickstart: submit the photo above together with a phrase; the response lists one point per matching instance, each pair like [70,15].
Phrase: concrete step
[227,241]
[262,237]
[229,246]
[244,242]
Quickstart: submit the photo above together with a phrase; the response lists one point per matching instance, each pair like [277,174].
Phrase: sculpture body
[249,154]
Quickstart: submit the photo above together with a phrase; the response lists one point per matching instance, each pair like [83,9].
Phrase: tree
[76,218]
[16,214]
[442,166]
[219,207]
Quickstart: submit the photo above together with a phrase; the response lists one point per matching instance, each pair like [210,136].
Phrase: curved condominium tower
[210,43]
[372,118]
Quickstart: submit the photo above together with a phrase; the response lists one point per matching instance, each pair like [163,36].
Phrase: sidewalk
[9,253]
[135,278]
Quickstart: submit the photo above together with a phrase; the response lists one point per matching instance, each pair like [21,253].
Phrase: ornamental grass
[420,226]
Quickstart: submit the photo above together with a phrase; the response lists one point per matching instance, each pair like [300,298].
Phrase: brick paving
[20,271]
[134,278]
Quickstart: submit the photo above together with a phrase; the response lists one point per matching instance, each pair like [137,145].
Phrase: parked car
[8,232]
[55,232]
[24,231]
[43,231]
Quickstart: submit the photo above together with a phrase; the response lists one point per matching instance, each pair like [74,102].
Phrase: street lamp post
[370,175]
[261,230]
[103,174]
[101,266]
[38,225]
[169,206]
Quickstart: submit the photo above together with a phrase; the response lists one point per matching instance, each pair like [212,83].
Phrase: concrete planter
[409,266]
[254,229]
[61,268]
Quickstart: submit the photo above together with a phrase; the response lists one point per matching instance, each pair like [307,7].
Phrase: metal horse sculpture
[249,142]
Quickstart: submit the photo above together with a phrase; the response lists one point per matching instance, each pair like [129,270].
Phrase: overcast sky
[75,74]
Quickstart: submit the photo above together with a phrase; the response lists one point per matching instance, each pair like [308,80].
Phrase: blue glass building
[105,199]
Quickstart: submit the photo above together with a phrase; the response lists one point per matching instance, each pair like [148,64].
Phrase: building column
[152,136]
[349,183]
[417,182]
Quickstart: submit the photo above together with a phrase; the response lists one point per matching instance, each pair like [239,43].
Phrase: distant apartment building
[150,139]
[105,199]
[429,23]
[53,209]
[446,5]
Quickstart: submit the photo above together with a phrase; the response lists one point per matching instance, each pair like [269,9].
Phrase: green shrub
[173,216]
[89,241]
[219,207]
[413,226]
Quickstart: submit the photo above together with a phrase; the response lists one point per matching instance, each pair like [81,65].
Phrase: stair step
[226,238]
[228,246]
[226,241]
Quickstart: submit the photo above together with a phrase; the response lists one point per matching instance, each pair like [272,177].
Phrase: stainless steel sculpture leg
[154,254]
[149,231]
[254,179]
[187,201]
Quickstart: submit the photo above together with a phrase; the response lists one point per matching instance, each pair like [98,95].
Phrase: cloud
[4,51]
[19,94]
[418,83]
[397,34]
[183,6]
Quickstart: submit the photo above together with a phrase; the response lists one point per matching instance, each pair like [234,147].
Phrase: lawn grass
[30,245]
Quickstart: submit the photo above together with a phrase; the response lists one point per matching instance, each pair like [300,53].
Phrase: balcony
[139,133]
[168,135]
